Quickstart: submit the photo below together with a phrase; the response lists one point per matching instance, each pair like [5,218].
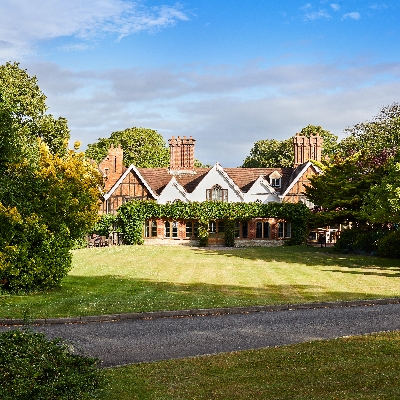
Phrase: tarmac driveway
[126,341]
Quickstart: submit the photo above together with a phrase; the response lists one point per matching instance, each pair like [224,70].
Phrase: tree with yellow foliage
[48,194]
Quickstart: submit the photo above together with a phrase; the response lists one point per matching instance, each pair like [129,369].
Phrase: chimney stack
[181,155]
[307,148]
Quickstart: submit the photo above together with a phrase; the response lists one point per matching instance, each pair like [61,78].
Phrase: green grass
[365,367]
[149,278]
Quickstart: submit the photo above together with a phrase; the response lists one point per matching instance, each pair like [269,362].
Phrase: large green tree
[271,153]
[48,194]
[145,148]
[381,132]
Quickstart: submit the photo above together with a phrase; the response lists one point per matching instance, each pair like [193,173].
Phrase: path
[141,340]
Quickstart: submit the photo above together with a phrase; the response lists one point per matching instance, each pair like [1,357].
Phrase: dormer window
[216,193]
[275,179]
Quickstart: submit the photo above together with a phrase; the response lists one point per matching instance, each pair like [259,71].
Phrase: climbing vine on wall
[132,215]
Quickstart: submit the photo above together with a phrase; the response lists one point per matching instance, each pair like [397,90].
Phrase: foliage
[23,117]
[382,202]
[33,367]
[48,194]
[145,148]
[340,191]
[272,153]
[132,215]
[389,246]
[360,240]
[105,225]
[382,132]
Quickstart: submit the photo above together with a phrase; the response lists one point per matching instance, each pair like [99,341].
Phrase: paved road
[134,341]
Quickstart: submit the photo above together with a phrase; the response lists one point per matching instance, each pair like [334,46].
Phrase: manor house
[183,181]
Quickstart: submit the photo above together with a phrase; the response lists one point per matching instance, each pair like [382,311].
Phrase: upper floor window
[275,179]
[216,193]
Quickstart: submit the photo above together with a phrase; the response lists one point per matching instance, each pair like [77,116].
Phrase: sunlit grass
[150,278]
[361,368]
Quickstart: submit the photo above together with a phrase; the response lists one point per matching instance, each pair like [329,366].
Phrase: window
[284,230]
[276,182]
[241,229]
[262,230]
[275,179]
[150,228]
[171,229]
[216,193]
[192,229]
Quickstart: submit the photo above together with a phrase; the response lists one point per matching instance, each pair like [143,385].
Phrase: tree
[48,194]
[382,132]
[382,203]
[272,153]
[341,190]
[145,148]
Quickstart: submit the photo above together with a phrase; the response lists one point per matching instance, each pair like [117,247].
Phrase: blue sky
[228,73]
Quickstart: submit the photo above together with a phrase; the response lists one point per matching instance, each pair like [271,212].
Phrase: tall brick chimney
[306,148]
[112,166]
[181,155]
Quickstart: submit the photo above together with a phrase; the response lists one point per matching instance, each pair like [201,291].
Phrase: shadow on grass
[81,296]
[312,256]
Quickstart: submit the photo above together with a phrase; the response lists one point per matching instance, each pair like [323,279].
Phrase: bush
[358,240]
[33,367]
[389,246]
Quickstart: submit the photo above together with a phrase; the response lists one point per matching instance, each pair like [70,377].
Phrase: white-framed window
[284,230]
[216,193]
[276,182]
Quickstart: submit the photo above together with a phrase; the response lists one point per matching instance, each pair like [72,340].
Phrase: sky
[228,73]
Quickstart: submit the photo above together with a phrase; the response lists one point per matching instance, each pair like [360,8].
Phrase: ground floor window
[241,230]
[171,229]
[150,228]
[284,230]
[192,229]
[262,230]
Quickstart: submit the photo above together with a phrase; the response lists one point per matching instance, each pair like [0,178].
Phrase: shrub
[358,240]
[33,367]
[389,246]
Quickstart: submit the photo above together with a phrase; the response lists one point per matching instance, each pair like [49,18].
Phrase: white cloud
[321,14]
[43,20]
[335,7]
[228,107]
[353,15]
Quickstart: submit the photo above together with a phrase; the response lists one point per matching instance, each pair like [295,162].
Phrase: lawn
[365,367]
[148,278]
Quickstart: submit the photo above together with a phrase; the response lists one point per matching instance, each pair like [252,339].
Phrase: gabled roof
[297,174]
[246,177]
[123,176]
[158,178]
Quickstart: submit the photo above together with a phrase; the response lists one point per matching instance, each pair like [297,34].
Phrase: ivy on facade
[132,216]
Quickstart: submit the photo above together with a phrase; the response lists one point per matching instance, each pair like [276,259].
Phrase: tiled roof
[244,178]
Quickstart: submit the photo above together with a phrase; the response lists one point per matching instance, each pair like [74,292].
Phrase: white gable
[217,176]
[173,191]
[262,191]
